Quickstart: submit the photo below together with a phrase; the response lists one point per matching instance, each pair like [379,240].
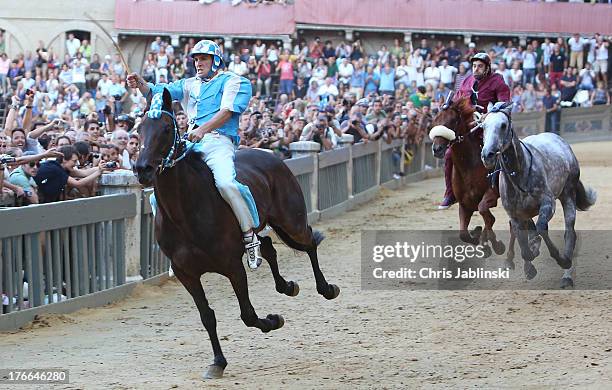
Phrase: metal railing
[335,180]
[53,252]
[152,260]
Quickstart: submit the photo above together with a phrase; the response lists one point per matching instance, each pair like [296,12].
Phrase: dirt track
[363,339]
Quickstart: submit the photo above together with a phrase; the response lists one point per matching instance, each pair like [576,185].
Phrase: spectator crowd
[71,119]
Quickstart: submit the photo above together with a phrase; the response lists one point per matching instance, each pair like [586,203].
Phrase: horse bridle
[459,138]
[169,161]
[502,160]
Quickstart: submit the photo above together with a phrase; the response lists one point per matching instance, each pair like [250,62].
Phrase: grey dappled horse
[535,172]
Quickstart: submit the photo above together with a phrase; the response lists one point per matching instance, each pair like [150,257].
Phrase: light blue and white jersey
[203,99]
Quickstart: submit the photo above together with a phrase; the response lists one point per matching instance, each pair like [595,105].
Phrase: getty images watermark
[434,259]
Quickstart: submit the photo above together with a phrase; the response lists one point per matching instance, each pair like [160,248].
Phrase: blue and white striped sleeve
[237,93]
[175,88]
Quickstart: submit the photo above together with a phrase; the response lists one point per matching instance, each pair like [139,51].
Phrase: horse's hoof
[530,270]
[213,372]
[567,283]
[534,246]
[277,319]
[509,264]
[332,292]
[467,238]
[499,247]
[510,255]
[293,288]
[487,252]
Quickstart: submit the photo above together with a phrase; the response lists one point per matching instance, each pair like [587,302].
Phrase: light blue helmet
[209,47]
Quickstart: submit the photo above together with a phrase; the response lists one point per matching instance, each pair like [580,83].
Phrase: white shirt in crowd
[516,75]
[272,55]
[125,160]
[505,74]
[601,53]
[345,70]
[260,50]
[28,83]
[78,73]
[529,60]
[431,74]
[240,69]
[591,55]
[577,44]
[325,90]
[104,86]
[547,50]
[402,72]
[72,46]
[447,74]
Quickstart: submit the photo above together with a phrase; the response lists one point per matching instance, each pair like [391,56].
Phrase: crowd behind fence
[307,91]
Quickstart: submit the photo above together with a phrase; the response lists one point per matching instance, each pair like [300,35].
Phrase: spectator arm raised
[34,134]
[11,116]
[27,120]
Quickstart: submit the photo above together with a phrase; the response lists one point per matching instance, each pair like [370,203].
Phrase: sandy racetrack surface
[363,339]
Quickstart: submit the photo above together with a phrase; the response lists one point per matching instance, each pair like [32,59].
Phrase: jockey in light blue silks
[213,101]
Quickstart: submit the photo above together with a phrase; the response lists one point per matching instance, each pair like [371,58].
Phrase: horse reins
[503,161]
[169,161]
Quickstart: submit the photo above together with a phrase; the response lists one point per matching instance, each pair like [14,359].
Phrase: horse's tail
[585,197]
[318,236]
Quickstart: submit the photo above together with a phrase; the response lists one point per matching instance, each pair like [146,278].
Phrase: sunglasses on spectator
[34,164]
[3,146]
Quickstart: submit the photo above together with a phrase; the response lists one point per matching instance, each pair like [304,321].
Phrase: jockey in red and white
[481,87]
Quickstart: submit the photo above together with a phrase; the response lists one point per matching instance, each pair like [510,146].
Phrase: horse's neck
[177,195]
[517,161]
[467,152]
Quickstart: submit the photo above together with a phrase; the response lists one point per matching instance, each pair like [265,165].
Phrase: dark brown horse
[472,189]
[198,231]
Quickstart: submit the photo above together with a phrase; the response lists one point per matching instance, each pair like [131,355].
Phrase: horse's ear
[167,100]
[489,107]
[149,97]
[448,101]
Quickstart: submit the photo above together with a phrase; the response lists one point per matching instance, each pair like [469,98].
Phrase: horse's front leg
[509,263]
[521,231]
[207,315]
[489,200]
[546,212]
[465,216]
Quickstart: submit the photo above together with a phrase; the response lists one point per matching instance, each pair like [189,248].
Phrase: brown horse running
[198,231]
[469,177]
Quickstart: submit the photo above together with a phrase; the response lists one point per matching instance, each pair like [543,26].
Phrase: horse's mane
[465,109]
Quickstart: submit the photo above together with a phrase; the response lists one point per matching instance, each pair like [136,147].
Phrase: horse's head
[450,125]
[498,132]
[158,137]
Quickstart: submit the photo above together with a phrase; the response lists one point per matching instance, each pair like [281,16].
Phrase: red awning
[503,17]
